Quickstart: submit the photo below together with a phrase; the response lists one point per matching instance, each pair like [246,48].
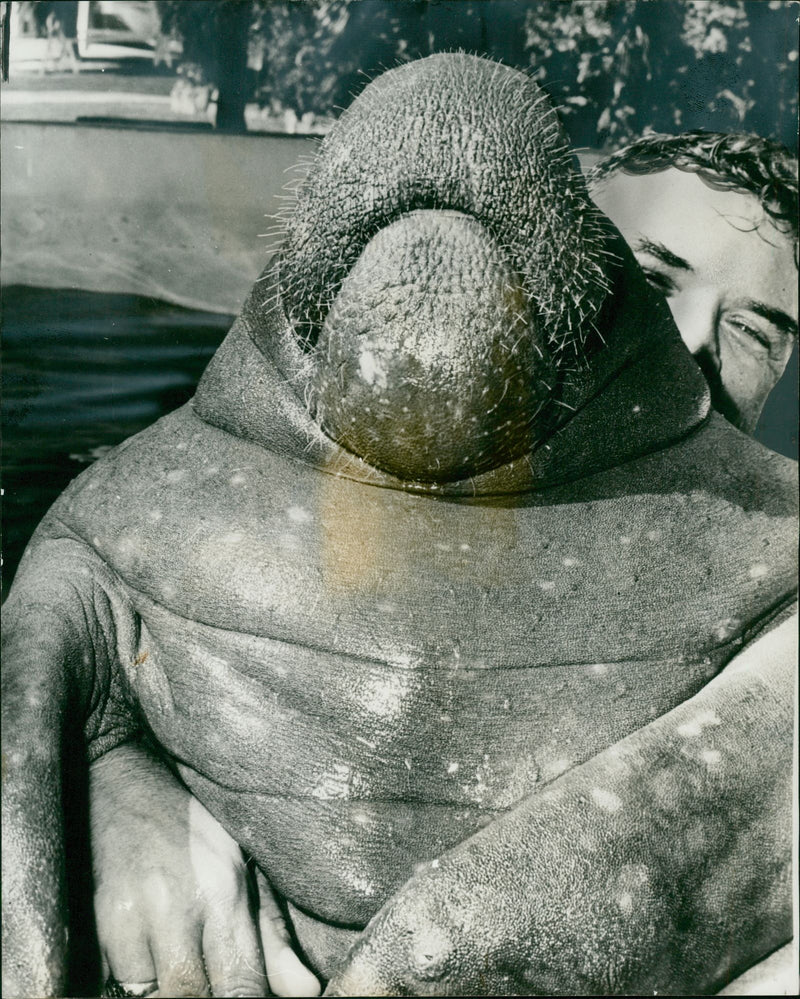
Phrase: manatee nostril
[431,364]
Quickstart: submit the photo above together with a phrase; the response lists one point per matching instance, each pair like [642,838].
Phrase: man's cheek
[747,379]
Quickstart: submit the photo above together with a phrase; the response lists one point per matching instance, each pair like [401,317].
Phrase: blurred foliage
[616,67]
[622,67]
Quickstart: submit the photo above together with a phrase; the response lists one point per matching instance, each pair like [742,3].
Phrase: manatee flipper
[625,875]
[62,627]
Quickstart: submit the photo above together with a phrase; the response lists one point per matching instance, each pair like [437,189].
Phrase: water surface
[82,371]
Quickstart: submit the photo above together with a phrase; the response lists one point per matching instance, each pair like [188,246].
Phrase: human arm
[175,901]
[662,864]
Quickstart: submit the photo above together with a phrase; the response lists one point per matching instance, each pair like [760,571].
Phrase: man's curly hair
[727,160]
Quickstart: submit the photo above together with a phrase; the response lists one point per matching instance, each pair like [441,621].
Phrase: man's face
[728,274]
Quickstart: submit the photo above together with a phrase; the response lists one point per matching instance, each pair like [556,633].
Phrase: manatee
[447,594]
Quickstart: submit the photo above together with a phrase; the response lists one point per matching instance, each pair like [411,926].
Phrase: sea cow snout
[443,270]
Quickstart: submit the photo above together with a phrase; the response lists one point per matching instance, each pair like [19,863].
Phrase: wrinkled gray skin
[446,596]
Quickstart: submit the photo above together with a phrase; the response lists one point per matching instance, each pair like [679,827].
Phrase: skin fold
[447,599]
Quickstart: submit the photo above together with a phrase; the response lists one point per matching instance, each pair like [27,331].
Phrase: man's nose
[695,314]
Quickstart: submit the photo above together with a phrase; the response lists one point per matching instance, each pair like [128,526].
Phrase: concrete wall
[175,215]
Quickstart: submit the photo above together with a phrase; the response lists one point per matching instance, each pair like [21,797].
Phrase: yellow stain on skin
[369,534]
[356,534]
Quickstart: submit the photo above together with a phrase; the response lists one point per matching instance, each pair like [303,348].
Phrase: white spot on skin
[126,546]
[693,728]
[477,791]
[371,370]
[335,784]
[452,768]
[624,539]
[725,628]
[547,586]
[155,516]
[175,476]
[431,948]
[299,515]
[232,538]
[569,563]
[442,546]
[385,696]
[711,756]
[238,479]
[636,409]
[758,571]
[217,667]
[360,883]
[632,887]
[606,800]
[402,659]
[599,669]
[465,548]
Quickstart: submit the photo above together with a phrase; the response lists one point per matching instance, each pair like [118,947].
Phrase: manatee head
[443,271]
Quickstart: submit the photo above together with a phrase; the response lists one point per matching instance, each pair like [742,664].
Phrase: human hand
[179,911]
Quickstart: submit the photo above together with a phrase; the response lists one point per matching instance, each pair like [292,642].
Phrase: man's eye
[661,282]
[749,332]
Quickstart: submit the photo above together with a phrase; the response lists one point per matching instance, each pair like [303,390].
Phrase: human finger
[232,953]
[121,990]
[179,964]
[286,973]
[126,956]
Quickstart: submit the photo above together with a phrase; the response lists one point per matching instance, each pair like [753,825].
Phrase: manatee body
[447,517]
